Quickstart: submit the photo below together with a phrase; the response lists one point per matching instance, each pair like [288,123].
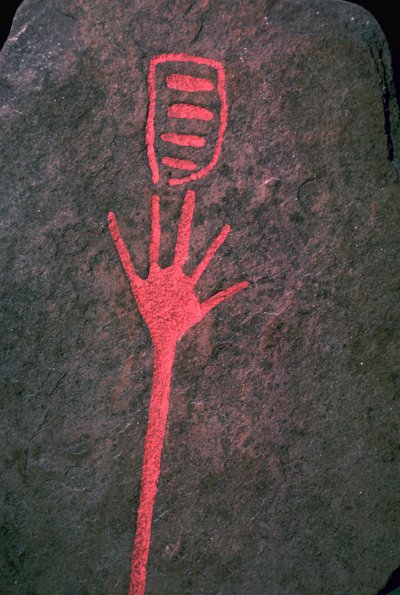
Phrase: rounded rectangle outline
[150,133]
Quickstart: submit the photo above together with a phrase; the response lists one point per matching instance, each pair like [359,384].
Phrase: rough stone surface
[280,472]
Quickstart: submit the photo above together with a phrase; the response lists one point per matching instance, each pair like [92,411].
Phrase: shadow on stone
[392,587]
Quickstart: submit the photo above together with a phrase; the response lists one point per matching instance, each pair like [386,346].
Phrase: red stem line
[158,411]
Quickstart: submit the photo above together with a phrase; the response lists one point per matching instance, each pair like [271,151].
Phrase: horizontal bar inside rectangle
[179,163]
[188,111]
[185,82]
[184,140]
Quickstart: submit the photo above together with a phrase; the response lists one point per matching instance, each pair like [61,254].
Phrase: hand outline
[166,298]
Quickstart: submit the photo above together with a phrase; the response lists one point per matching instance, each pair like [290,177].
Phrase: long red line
[150,134]
[157,417]
[185,82]
[184,140]
[189,111]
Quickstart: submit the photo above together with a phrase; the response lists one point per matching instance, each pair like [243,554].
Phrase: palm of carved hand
[166,299]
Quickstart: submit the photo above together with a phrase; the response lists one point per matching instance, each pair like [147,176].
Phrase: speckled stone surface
[280,472]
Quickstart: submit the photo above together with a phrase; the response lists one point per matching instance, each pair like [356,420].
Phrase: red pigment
[179,163]
[184,140]
[169,305]
[191,84]
[189,111]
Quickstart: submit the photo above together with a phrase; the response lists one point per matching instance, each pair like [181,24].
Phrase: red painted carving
[191,84]
[189,112]
[186,83]
[170,307]
[179,163]
[166,298]
[184,140]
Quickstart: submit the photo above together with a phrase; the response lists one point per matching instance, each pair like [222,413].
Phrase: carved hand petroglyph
[169,306]
[166,299]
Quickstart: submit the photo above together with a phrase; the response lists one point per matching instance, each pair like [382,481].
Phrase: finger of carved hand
[221,296]
[219,240]
[155,230]
[185,222]
[122,250]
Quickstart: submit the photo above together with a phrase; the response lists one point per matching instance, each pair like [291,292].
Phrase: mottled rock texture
[280,472]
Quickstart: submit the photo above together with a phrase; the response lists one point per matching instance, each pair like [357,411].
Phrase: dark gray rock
[280,471]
